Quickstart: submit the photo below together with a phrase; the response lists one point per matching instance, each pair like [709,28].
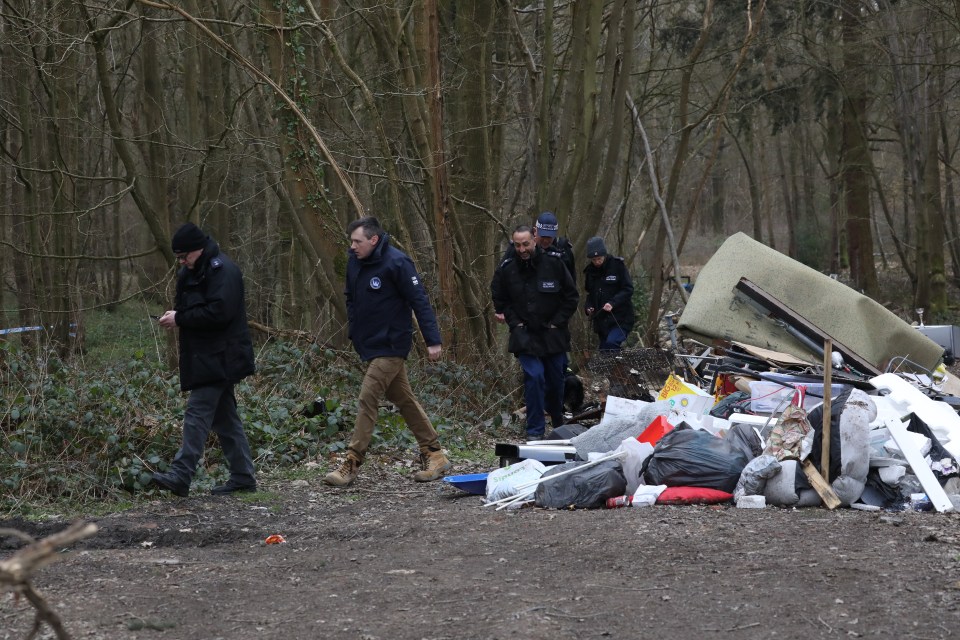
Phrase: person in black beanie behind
[215,353]
[609,300]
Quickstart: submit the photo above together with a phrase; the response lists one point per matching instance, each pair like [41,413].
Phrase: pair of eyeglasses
[182,257]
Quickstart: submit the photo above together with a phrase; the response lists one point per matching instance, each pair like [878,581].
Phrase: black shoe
[168,483]
[233,487]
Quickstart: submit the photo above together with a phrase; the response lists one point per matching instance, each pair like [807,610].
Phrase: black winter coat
[538,298]
[215,343]
[610,282]
[381,290]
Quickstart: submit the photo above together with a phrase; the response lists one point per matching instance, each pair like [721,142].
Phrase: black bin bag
[688,457]
[584,489]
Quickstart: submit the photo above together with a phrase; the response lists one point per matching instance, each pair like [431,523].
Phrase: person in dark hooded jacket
[537,297]
[382,289]
[609,299]
[215,353]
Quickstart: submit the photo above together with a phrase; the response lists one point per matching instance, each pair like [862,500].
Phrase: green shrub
[72,432]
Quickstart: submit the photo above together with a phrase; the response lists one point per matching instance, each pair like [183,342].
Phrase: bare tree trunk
[911,56]
[952,231]
[855,154]
[607,144]
[62,160]
[27,269]
[316,237]
[583,96]
[756,212]
[718,195]
[544,154]
[440,201]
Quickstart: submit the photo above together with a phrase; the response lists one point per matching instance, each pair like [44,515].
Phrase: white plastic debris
[751,502]
[892,475]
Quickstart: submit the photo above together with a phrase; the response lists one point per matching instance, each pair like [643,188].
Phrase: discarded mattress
[860,323]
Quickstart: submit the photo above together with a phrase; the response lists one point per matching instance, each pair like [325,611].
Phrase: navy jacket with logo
[381,291]
[610,282]
[215,343]
[537,297]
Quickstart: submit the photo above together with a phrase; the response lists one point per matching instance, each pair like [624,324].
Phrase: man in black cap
[546,229]
[215,353]
[609,301]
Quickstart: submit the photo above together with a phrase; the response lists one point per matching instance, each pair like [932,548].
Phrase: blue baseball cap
[547,225]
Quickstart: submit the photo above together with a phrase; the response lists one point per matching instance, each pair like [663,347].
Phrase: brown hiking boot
[345,473]
[435,465]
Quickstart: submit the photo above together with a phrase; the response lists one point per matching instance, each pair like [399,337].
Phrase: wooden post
[827,413]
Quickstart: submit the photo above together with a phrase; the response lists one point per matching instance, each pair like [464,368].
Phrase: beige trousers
[387,377]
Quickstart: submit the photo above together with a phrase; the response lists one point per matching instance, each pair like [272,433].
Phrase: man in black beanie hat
[215,353]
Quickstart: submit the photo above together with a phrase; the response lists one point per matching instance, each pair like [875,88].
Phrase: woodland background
[825,129]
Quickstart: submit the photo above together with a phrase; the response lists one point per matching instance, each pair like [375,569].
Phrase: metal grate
[635,373]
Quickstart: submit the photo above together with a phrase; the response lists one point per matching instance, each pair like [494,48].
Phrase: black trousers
[213,407]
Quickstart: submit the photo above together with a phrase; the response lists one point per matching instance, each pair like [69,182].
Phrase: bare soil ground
[390,559]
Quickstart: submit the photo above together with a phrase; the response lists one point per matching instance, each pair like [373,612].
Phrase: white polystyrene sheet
[938,497]
[902,399]
[918,441]
[704,422]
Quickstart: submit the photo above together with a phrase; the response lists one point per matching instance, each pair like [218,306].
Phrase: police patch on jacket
[549,286]
[375,283]
[611,278]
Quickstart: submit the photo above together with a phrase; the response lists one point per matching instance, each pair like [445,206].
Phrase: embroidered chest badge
[611,278]
[375,282]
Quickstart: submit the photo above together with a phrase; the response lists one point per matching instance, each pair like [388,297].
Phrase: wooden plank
[824,490]
[811,332]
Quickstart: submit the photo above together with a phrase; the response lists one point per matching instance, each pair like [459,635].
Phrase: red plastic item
[275,539]
[655,430]
[693,495]
[723,385]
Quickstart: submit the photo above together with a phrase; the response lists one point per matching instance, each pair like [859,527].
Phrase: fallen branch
[294,334]
[17,570]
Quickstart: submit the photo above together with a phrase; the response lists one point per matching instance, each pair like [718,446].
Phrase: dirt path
[389,559]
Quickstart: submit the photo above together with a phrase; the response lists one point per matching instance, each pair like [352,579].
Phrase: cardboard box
[684,396]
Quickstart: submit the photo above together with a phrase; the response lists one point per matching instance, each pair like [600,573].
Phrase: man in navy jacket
[382,289]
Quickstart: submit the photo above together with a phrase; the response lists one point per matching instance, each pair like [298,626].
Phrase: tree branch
[17,570]
[290,102]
